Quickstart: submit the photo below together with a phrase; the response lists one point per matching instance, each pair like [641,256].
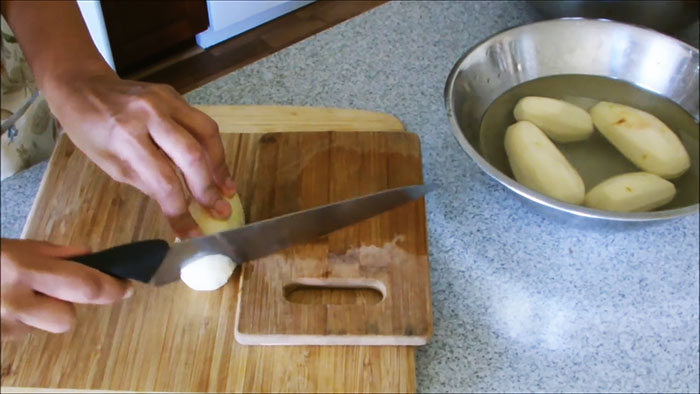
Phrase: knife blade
[156,262]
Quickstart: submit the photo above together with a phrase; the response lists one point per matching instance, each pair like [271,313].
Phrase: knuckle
[192,154]
[165,88]
[90,287]
[208,196]
[11,268]
[166,199]
[167,184]
[172,208]
[126,134]
[147,101]
[121,173]
[210,127]
[122,123]
[169,197]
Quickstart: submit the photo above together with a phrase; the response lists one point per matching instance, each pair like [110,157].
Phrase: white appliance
[95,21]
[226,19]
[230,18]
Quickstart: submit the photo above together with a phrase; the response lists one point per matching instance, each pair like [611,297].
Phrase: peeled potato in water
[561,121]
[642,138]
[213,271]
[631,192]
[538,164]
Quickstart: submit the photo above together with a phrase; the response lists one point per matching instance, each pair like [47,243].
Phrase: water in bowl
[595,158]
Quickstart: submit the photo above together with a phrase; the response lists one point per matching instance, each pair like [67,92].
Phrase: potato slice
[538,164]
[642,138]
[561,121]
[207,273]
[631,192]
[210,225]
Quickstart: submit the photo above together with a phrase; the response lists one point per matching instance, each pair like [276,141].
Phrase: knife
[156,262]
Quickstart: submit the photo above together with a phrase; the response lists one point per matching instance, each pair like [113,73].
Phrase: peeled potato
[211,272]
[631,192]
[538,164]
[207,273]
[210,225]
[561,121]
[642,138]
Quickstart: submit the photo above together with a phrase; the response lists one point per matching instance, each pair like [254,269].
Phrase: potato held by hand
[631,192]
[213,271]
[561,121]
[642,138]
[538,164]
[209,225]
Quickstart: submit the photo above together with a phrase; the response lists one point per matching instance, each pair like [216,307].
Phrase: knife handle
[137,260]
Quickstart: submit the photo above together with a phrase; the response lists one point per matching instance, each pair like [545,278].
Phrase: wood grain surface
[278,119]
[172,338]
[388,252]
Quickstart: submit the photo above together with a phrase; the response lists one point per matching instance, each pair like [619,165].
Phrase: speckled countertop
[521,303]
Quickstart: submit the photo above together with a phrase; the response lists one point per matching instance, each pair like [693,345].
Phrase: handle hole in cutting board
[335,291]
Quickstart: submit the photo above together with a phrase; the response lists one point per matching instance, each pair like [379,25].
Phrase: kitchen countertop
[520,302]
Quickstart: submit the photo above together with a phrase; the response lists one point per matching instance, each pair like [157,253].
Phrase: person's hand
[39,287]
[141,134]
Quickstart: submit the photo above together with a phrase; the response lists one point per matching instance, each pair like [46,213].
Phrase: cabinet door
[142,31]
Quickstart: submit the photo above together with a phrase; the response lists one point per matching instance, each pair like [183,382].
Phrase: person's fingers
[60,251]
[13,329]
[159,180]
[48,314]
[74,282]
[206,132]
[184,226]
[189,156]
[40,311]
[52,249]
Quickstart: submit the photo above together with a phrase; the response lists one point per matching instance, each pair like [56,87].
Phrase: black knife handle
[137,260]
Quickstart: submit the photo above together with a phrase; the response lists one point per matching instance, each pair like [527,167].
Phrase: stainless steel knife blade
[262,238]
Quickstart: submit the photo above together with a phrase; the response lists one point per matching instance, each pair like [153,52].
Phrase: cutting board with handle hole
[174,339]
[385,257]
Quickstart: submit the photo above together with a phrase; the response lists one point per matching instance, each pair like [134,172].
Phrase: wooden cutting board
[174,339]
[387,253]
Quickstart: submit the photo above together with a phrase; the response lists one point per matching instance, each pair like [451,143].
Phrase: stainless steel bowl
[666,16]
[637,55]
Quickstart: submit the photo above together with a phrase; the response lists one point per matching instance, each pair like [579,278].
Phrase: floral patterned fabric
[29,130]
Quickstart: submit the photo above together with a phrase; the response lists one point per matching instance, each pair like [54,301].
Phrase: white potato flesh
[211,272]
[561,121]
[207,273]
[538,164]
[210,225]
[631,192]
[642,138]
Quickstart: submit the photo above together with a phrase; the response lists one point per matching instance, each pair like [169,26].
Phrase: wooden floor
[195,67]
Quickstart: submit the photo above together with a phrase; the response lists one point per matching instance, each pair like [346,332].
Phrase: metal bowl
[666,16]
[637,55]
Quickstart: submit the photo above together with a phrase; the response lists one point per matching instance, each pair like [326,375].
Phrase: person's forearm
[54,40]
[139,133]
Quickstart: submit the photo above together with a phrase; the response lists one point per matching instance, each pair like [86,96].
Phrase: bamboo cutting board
[387,253]
[171,338]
